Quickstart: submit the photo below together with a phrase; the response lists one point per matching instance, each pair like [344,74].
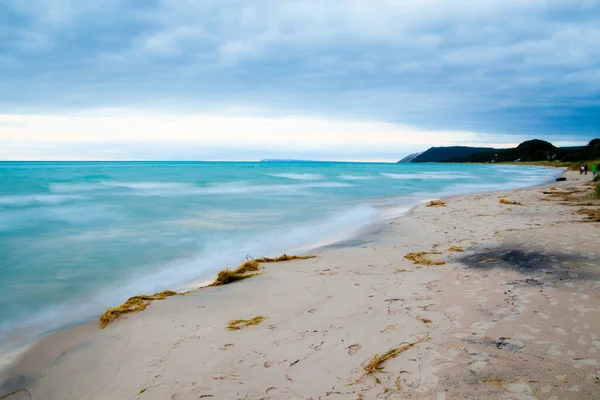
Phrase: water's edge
[10,355]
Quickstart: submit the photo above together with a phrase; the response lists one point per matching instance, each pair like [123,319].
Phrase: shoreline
[380,237]
[197,284]
[17,345]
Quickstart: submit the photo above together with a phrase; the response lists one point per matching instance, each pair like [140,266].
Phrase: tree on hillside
[536,150]
[593,149]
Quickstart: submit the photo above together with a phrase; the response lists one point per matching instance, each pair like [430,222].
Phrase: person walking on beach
[581,169]
[594,169]
[585,168]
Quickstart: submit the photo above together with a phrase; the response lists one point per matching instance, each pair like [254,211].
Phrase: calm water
[78,237]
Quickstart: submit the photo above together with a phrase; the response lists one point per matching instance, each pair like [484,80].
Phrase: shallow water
[76,238]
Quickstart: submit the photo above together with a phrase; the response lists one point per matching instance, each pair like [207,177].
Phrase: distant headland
[528,151]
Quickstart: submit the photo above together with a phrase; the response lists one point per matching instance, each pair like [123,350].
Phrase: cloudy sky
[324,79]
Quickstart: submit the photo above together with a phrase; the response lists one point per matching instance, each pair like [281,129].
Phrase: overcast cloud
[412,73]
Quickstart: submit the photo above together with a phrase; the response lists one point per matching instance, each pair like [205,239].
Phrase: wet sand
[514,316]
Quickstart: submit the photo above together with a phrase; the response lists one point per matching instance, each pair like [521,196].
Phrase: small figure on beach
[581,169]
[594,169]
[585,168]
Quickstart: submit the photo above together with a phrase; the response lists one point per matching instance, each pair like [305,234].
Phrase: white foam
[241,188]
[301,177]
[150,185]
[31,199]
[75,187]
[348,177]
[105,185]
[516,182]
[74,214]
[9,356]
[166,189]
[426,175]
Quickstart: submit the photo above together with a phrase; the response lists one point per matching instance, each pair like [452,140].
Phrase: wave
[104,185]
[75,187]
[239,188]
[427,175]
[71,214]
[188,189]
[517,182]
[35,199]
[150,185]
[301,177]
[348,177]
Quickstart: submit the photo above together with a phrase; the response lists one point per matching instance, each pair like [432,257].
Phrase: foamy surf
[426,175]
[349,177]
[36,199]
[301,177]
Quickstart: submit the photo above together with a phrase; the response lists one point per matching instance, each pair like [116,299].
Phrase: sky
[324,79]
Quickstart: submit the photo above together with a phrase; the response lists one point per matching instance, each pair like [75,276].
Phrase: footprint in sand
[271,391]
[353,349]
[478,360]
[480,328]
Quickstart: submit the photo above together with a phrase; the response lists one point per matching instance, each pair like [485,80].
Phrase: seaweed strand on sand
[249,268]
[436,203]
[239,324]
[375,364]
[283,257]
[456,249]
[422,259]
[514,203]
[134,304]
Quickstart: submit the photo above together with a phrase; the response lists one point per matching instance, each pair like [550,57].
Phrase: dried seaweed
[456,249]
[421,258]
[489,260]
[134,304]
[514,203]
[591,215]
[238,324]
[436,203]
[247,266]
[375,364]
[227,276]
[283,257]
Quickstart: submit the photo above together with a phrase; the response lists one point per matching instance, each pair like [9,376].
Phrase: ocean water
[77,237]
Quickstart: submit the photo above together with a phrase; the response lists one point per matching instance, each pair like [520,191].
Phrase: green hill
[445,154]
[528,151]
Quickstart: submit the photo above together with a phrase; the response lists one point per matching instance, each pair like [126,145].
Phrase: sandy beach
[516,315]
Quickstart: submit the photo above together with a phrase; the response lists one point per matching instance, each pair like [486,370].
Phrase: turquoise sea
[77,237]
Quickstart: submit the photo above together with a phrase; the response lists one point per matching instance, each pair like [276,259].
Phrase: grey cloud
[495,66]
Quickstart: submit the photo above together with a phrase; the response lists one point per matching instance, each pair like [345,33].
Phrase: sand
[514,316]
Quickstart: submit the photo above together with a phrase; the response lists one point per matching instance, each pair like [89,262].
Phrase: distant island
[528,151]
